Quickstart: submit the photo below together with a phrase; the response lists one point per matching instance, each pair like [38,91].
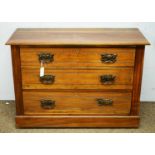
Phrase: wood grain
[138,71]
[78,79]
[17,79]
[76,57]
[85,36]
[77,103]
[77,121]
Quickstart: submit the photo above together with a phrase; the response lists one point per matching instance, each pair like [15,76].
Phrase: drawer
[76,103]
[107,78]
[77,57]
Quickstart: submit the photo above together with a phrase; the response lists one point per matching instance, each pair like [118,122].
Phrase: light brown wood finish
[76,57]
[138,71]
[17,79]
[77,121]
[77,103]
[78,36]
[78,79]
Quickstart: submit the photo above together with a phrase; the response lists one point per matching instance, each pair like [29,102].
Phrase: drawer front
[76,103]
[77,57]
[78,79]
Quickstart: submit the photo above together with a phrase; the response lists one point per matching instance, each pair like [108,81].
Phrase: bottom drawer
[48,103]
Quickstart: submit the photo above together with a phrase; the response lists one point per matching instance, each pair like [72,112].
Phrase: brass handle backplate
[107,79]
[102,102]
[47,104]
[108,58]
[47,79]
[46,57]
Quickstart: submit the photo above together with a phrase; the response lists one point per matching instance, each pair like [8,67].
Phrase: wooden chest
[77,77]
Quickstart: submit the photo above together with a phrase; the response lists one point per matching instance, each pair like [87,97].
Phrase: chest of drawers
[77,77]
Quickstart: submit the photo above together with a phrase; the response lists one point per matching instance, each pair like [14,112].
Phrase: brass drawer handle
[107,79]
[47,79]
[102,102]
[108,58]
[47,104]
[46,57]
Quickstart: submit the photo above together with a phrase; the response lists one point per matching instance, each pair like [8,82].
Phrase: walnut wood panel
[17,79]
[86,37]
[77,57]
[79,79]
[77,103]
[138,71]
[77,121]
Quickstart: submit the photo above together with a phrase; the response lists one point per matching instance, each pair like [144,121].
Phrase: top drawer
[77,57]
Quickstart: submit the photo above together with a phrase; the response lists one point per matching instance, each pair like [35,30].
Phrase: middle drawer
[107,78]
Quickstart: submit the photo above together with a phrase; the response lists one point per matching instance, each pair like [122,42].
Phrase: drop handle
[104,102]
[108,58]
[47,79]
[47,104]
[46,57]
[107,79]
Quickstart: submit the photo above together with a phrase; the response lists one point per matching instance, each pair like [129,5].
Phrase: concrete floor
[7,122]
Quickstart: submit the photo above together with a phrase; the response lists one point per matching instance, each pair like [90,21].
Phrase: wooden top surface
[77,36]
